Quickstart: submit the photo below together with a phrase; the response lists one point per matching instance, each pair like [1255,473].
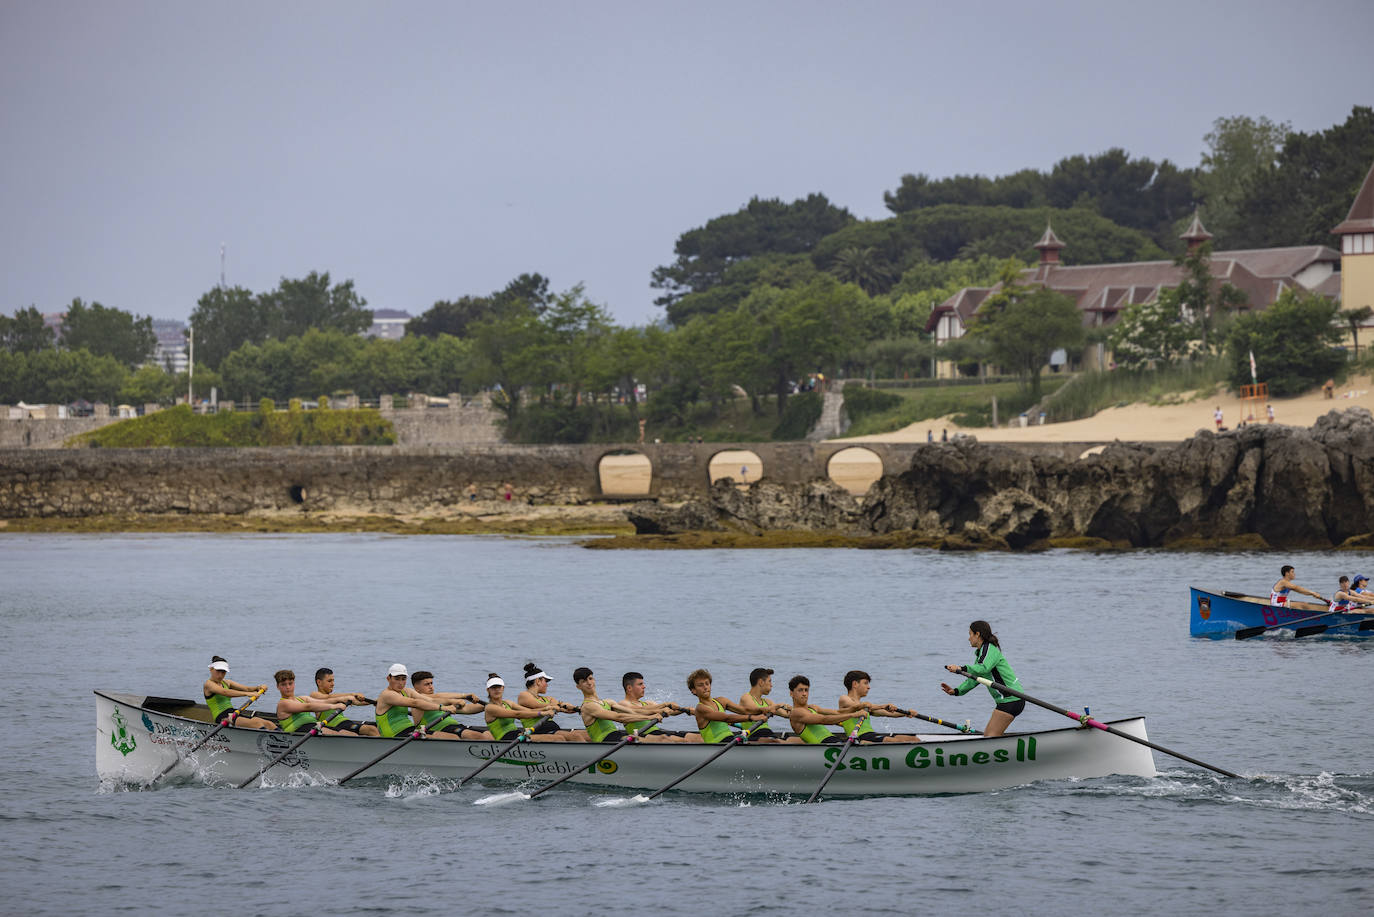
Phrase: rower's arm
[737,708]
[502,712]
[705,711]
[225,690]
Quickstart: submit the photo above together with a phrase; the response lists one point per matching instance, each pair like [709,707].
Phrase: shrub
[798,416]
[861,401]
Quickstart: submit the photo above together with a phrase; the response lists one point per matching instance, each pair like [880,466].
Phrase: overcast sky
[431,150]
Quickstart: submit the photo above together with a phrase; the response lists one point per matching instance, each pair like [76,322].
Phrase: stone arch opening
[855,469]
[625,474]
[743,465]
[297,493]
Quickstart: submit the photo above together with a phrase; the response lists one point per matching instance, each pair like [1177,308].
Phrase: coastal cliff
[1273,485]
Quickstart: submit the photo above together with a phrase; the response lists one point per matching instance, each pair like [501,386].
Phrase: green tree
[1204,301]
[225,319]
[1294,342]
[297,305]
[26,332]
[1152,333]
[149,385]
[861,266]
[1239,150]
[108,332]
[1354,319]
[1024,325]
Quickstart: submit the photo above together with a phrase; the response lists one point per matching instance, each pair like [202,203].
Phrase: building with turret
[1357,252]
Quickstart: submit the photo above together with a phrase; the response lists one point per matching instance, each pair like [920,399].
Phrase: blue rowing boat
[1221,614]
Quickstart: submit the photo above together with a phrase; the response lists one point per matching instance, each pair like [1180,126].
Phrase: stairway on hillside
[833,420]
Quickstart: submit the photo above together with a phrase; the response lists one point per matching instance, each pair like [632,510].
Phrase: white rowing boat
[138,735]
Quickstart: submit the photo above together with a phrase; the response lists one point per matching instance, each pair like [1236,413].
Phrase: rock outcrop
[1289,486]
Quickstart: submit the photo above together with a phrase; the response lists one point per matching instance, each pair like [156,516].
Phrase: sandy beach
[1147,423]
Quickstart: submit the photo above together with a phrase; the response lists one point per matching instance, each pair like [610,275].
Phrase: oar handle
[962,727]
[1085,720]
[248,703]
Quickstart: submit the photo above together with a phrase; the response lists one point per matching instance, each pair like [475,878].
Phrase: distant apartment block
[171,344]
[389,324]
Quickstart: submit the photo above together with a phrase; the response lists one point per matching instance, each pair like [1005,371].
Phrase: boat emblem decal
[607,767]
[1204,607]
[272,744]
[122,740]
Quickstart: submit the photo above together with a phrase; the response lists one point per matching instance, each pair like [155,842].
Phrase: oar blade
[1367,625]
[1311,629]
[1245,633]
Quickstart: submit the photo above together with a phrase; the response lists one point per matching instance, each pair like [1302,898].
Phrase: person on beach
[439,724]
[809,722]
[219,692]
[856,684]
[535,698]
[395,702]
[633,683]
[324,690]
[716,714]
[299,713]
[1269,410]
[1216,417]
[988,662]
[1347,600]
[760,685]
[1279,595]
[504,718]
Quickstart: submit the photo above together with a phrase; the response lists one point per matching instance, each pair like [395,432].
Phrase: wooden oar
[210,735]
[737,739]
[844,750]
[524,734]
[1364,624]
[314,731]
[939,722]
[628,740]
[419,733]
[1245,633]
[1084,720]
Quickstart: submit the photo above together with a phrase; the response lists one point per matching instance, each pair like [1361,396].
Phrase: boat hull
[136,740]
[1221,614]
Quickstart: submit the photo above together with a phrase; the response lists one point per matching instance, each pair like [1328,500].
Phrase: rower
[1278,596]
[857,684]
[602,717]
[1357,585]
[1346,598]
[298,713]
[395,702]
[503,717]
[441,725]
[809,722]
[633,683]
[219,690]
[534,698]
[715,714]
[324,690]
[760,685]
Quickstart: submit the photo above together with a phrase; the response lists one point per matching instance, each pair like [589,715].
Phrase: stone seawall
[384,479]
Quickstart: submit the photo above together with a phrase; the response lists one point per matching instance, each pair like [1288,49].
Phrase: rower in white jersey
[1279,595]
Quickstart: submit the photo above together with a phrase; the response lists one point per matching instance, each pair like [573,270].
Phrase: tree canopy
[1294,342]
[108,332]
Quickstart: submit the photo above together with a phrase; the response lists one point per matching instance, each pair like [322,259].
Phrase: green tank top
[502,725]
[219,705]
[814,733]
[297,720]
[748,728]
[644,726]
[436,720]
[599,729]
[396,720]
[530,723]
[333,717]
[715,731]
[865,726]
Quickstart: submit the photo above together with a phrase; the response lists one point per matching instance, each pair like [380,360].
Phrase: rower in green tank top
[760,685]
[809,722]
[394,703]
[857,684]
[297,714]
[715,714]
[338,719]
[219,693]
[633,683]
[441,724]
[503,717]
[605,720]
[534,698]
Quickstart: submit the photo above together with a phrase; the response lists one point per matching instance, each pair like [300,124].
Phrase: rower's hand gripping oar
[314,731]
[737,739]
[418,733]
[628,740]
[522,737]
[1245,633]
[962,727]
[853,737]
[229,721]
[1084,720]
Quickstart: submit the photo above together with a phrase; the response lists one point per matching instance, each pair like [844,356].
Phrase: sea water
[144,613]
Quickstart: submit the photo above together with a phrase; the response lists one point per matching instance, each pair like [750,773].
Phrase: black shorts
[548,727]
[224,718]
[832,739]
[870,737]
[347,726]
[616,736]
[1012,707]
[405,733]
[763,732]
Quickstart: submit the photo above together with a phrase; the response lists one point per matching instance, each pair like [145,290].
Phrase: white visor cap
[220,666]
[495,682]
[397,671]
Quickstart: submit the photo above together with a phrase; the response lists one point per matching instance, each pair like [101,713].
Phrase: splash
[500,799]
[620,802]
[418,786]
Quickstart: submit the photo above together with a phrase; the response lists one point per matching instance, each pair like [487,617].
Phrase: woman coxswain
[219,693]
[988,662]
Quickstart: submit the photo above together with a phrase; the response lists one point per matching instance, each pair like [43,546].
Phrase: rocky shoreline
[1263,486]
